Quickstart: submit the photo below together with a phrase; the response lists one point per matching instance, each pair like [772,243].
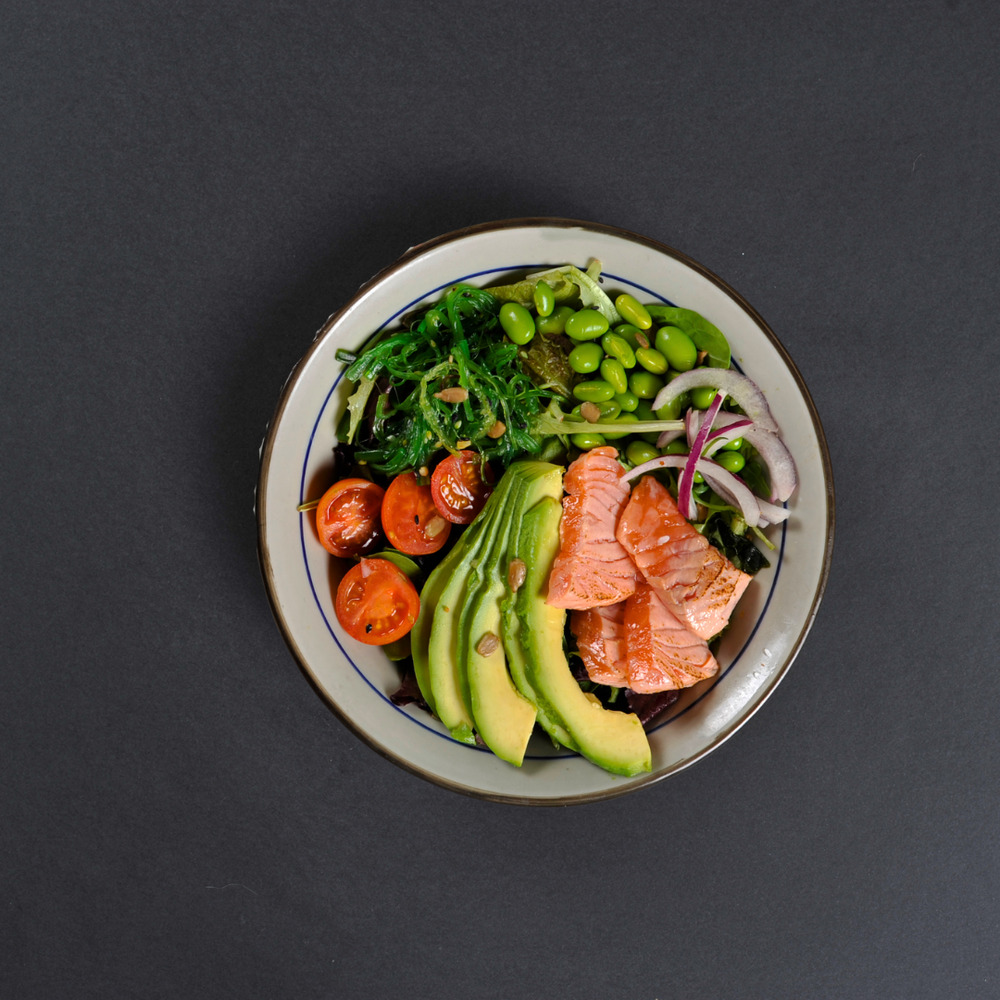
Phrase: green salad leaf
[706,336]
[547,360]
[523,292]
[567,282]
[592,296]
[356,405]
[739,549]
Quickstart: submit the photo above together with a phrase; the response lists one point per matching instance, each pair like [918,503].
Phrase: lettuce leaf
[592,296]
[356,404]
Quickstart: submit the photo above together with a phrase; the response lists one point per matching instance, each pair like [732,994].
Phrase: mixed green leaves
[738,548]
[567,282]
[452,380]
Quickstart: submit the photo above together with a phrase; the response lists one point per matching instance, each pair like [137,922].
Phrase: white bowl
[770,623]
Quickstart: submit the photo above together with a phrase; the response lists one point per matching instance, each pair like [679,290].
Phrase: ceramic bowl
[771,621]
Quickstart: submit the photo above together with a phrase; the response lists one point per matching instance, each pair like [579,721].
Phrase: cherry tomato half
[376,602]
[460,485]
[410,520]
[347,517]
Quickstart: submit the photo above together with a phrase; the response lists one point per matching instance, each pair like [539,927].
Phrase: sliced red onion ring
[663,462]
[685,495]
[666,437]
[780,465]
[731,488]
[723,435]
[743,391]
[692,421]
[771,513]
[778,459]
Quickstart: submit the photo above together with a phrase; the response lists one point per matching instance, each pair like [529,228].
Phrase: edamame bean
[701,398]
[639,452]
[612,371]
[628,333]
[733,445]
[594,391]
[587,441]
[627,400]
[674,409]
[545,298]
[556,321]
[731,461]
[586,324]
[619,348]
[645,384]
[676,447]
[652,360]
[517,322]
[634,311]
[697,478]
[677,347]
[586,358]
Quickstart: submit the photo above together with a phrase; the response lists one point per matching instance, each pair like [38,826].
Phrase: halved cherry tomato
[410,520]
[347,517]
[460,485]
[376,602]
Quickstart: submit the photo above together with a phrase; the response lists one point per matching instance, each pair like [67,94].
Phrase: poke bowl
[361,683]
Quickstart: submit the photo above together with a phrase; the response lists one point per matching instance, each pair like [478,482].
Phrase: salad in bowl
[525,505]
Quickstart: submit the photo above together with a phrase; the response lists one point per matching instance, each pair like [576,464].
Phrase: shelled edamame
[620,365]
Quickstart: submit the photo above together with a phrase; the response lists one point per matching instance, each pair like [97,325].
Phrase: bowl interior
[766,631]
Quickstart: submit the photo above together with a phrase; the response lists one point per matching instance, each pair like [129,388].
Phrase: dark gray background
[188,191]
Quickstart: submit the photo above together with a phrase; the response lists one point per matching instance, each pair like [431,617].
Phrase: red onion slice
[731,488]
[771,513]
[663,462]
[666,437]
[723,435]
[743,391]
[692,422]
[685,494]
[776,457]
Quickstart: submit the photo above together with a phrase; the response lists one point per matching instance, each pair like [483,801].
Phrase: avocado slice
[504,717]
[430,594]
[613,740]
[510,628]
[445,595]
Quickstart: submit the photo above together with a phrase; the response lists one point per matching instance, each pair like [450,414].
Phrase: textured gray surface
[188,191]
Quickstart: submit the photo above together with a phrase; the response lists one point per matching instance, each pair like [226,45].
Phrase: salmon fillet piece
[600,638]
[661,654]
[592,569]
[696,582]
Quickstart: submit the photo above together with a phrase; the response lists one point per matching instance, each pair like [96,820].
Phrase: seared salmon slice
[592,569]
[600,637]
[696,582]
[661,654]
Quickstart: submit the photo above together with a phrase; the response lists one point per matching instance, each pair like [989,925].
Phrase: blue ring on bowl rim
[718,679]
